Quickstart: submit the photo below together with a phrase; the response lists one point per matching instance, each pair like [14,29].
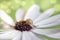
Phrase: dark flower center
[23,26]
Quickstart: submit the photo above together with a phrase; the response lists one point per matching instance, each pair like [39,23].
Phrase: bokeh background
[10,6]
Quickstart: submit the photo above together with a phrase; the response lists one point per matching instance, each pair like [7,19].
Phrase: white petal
[0,24]
[18,36]
[34,37]
[57,35]
[45,15]
[49,20]
[33,12]
[26,36]
[20,14]
[5,26]
[6,18]
[46,31]
[8,34]
[50,25]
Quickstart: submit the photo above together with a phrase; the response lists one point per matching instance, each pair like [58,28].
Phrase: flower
[27,25]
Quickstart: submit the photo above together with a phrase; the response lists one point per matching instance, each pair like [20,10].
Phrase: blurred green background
[10,6]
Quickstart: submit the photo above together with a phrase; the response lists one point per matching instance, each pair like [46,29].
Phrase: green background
[10,6]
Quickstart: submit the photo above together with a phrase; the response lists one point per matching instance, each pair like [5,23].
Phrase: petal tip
[1,11]
[20,9]
[35,6]
[52,9]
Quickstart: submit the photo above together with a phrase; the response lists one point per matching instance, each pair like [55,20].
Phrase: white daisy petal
[48,21]
[6,18]
[8,34]
[18,36]
[5,26]
[20,14]
[0,24]
[32,13]
[46,31]
[50,25]
[57,35]
[34,37]
[45,15]
[26,36]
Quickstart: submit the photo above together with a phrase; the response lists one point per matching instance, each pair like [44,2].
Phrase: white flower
[27,25]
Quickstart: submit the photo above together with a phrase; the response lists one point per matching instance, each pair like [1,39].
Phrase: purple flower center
[23,26]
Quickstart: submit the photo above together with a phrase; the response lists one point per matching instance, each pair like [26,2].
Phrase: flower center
[23,26]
